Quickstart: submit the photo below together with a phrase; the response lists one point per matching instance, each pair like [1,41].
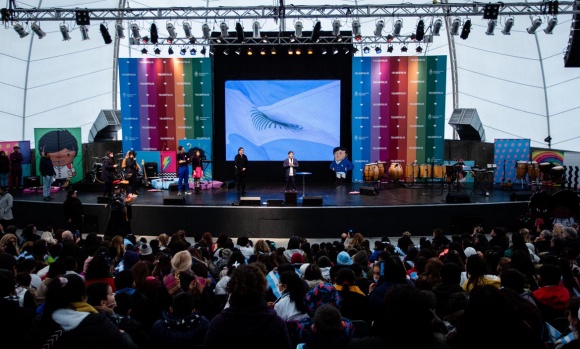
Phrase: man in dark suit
[290,165]
[241,164]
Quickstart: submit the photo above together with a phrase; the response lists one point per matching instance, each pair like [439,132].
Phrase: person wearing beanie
[297,258]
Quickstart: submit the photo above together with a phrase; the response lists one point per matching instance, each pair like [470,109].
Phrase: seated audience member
[326,330]
[552,297]
[291,304]
[16,321]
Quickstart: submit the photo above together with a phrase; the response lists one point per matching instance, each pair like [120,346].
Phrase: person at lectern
[341,165]
[290,166]
[182,170]
[241,164]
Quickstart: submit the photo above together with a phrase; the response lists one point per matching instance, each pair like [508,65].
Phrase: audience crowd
[479,289]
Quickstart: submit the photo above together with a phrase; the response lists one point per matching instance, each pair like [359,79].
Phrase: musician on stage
[108,173]
[197,170]
[182,170]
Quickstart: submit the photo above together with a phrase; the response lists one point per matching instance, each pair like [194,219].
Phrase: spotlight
[265,39]
[84,32]
[316,32]
[203,51]
[535,24]
[404,49]
[551,25]
[212,50]
[356,30]
[378,49]
[346,50]
[390,49]
[238,51]
[310,51]
[437,26]
[240,32]
[413,36]
[64,32]
[354,50]
[193,52]
[397,27]
[334,50]
[507,27]
[256,30]
[390,38]
[120,30]
[298,29]
[206,31]
[366,49]
[292,38]
[548,139]
[419,49]
[273,51]
[157,51]
[379,25]
[455,26]
[135,31]
[290,51]
[144,51]
[336,27]
[491,11]
[250,51]
[82,17]
[20,30]
[224,29]
[171,30]
[298,51]
[105,33]
[323,50]
[226,51]
[466,29]
[262,51]
[36,29]
[170,50]
[183,51]
[192,40]
[420,33]
[153,34]
[491,26]
[187,30]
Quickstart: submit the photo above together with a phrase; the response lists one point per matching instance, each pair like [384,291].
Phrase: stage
[379,209]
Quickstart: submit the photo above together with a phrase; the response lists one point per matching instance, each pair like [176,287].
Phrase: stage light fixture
[323,50]
[82,17]
[171,30]
[226,51]
[346,50]
[105,33]
[419,49]
[507,27]
[250,51]
[135,31]
[378,49]
[36,29]
[153,34]
[203,51]
[224,29]
[187,29]
[551,25]
[366,49]
[413,36]
[265,39]
[192,40]
[334,50]
[491,26]
[193,52]
[336,27]
[354,50]
[390,49]
[206,31]
[157,51]
[397,27]
[310,51]
[256,30]
[84,32]
[212,50]
[262,51]
[379,25]
[298,29]
[315,37]
[290,51]
[536,23]
[64,31]
[420,32]
[120,30]
[20,30]
[183,51]
[437,26]
[144,51]
[466,29]
[356,30]
[238,51]
[490,11]
[292,38]
[390,38]
[240,32]
[170,50]
[404,48]
[455,26]
[298,51]
[273,51]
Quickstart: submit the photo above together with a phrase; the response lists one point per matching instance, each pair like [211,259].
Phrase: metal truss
[292,12]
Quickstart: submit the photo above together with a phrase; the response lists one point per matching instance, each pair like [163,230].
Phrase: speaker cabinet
[521,195]
[151,169]
[275,202]
[456,198]
[31,182]
[466,123]
[177,200]
[312,201]
[173,187]
[290,199]
[251,201]
[368,191]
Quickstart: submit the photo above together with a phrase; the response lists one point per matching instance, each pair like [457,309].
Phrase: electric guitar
[146,180]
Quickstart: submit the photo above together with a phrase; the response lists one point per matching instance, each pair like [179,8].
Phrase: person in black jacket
[108,173]
[73,212]
[4,168]
[241,165]
[47,172]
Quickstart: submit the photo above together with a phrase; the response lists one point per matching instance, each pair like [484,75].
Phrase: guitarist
[131,170]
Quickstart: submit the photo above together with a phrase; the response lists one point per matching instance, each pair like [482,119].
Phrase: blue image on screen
[270,117]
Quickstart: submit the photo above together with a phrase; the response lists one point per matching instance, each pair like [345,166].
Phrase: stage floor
[387,209]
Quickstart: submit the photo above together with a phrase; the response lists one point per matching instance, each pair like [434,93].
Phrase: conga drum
[395,171]
[557,174]
[371,172]
[438,171]
[533,170]
[412,171]
[545,168]
[382,165]
[521,169]
[425,171]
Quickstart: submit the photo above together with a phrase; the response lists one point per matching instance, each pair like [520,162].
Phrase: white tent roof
[517,83]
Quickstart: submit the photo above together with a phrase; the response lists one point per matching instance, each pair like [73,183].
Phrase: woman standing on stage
[108,173]
[197,171]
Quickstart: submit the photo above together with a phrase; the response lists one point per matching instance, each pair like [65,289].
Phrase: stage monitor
[270,117]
